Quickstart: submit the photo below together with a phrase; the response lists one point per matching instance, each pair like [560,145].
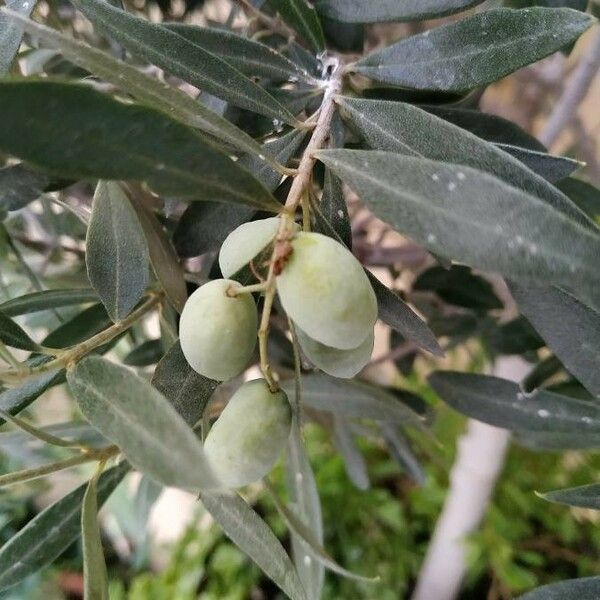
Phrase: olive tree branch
[102,454]
[302,179]
[77,352]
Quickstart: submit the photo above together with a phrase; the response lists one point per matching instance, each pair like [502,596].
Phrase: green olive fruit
[246,440]
[326,291]
[339,363]
[244,243]
[217,332]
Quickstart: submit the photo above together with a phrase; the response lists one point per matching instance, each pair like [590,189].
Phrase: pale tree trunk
[481,453]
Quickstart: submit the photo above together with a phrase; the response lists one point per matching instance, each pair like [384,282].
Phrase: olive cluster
[324,291]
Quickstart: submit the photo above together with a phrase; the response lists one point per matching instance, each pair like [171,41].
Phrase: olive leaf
[302,16]
[354,461]
[473,217]
[147,89]
[51,531]
[116,251]
[501,403]
[90,135]
[463,55]
[82,326]
[252,535]
[406,129]
[584,496]
[584,195]
[19,185]
[571,329]
[376,11]
[400,450]
[47,299]
[95,577]
[131,413]
[586,588]
[14,335]
[147,353]
[178,55]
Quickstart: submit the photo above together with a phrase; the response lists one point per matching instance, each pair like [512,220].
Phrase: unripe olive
[246,440]
[217,332]
[325,290]
[244,243]
[339,363]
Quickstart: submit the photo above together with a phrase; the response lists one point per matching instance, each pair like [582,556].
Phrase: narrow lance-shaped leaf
[139,419]
[587,588]
[11,34]
[252,535]
[13,334]
[584,195]
[475,51]
[90,135]
[377,11]
[95,577]
[19,186]
[306,504]
[500,402]
[406,129]
[116,251]
[147,89]
[51,531]
[246,55]
[571,329]
[354,461]
[473,217]
[552,168]
[187,391]
[47,299]
[163,257]
[584,496]
[179,56]
[354,399]
[301,16]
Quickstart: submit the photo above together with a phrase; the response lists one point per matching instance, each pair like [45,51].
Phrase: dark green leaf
[302,17]
[557,441]
[584,496]
[584,195]
[95,577]
[90,135]
[162,255]
[472,217]
[354,461]
[541,373]
[515,337]
[571,329]
[353,399]
[252,535]
[16,399]
[375,11]
[147,353]
[401,451]
[19,185]
[131,413]
[188,391]
[488,127]
[551,168]
[82,326]
[11,34]
[399,316]
[13,335]
[150,90]
[51,531]
[116,251]
[500,402]
[458,286]
[576,4]
[587,588]
[204,226]
[178,55]
[47,299]
[475,51]
[406,129]
[247,56]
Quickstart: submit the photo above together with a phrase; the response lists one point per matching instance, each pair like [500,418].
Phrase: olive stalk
[76,353]
[297,193]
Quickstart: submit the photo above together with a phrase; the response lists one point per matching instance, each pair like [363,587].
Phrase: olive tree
[197,178]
